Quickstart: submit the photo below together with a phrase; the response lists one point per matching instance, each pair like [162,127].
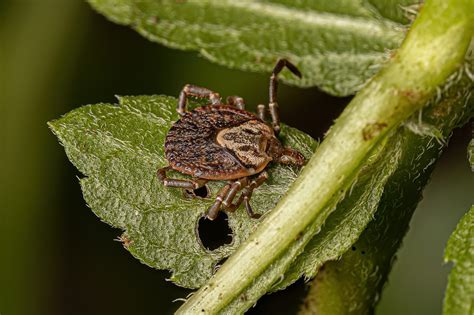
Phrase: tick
[225,142]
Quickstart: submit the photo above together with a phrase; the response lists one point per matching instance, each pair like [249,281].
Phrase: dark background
[58,258]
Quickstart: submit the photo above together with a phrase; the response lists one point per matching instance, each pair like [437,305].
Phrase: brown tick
[225,142]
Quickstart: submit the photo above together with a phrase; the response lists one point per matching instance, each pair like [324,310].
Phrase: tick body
[223,141]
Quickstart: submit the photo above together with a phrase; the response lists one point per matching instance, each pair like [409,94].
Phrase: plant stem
[432,50]
[352,284]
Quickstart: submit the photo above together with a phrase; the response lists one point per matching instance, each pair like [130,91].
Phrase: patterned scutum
[248,141]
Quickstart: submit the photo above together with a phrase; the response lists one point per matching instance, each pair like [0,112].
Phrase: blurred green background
[58,258]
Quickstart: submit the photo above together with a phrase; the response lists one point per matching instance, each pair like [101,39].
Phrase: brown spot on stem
[372,130]
[412,95]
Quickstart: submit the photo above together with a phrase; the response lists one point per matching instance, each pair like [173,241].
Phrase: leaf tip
[53,125]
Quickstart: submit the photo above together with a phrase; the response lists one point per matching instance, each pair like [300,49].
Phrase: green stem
[432,50]
[352,284]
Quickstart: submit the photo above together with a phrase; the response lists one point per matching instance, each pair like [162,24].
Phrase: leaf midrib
[381,29]
[309,17]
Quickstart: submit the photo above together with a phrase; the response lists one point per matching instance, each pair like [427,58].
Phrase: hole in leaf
[214,234]
[201,192]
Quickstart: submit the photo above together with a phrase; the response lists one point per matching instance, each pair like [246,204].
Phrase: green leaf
[337,44]
[119,149]
[459,299]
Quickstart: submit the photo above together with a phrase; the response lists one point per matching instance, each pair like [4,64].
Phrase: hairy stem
[433,49]
[352,284]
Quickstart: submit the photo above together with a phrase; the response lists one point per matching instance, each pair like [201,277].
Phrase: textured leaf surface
[338,44]
[459,298]
[119,149]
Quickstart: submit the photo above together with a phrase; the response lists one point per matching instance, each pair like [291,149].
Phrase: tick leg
[236,101]
[247,194]
[235,187]
[273,105]
[193,90]
[248,207]
[225,196]
[213,210]
[179,183]
[261,112]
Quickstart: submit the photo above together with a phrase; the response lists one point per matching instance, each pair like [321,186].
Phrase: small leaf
[337,44]
[459,299]
[119,149]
